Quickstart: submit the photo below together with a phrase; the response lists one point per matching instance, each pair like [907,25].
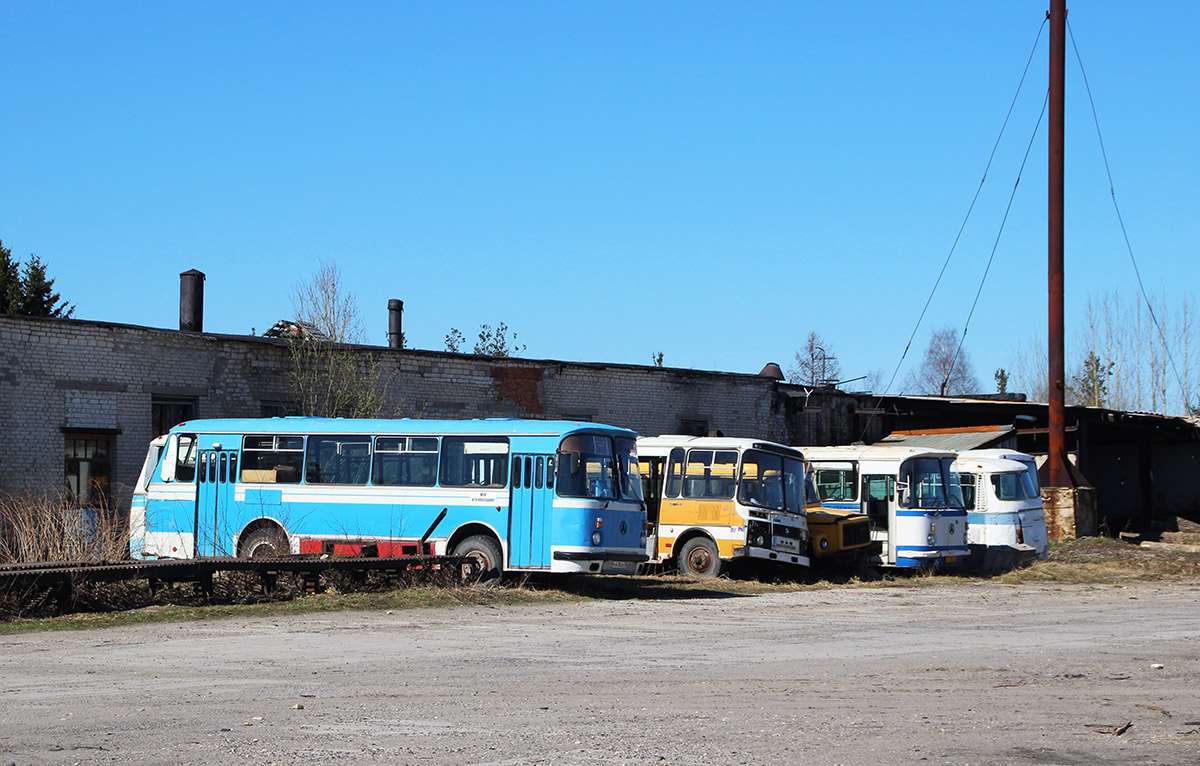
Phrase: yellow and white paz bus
[713,500]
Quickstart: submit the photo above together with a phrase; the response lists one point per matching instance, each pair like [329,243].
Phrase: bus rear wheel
[486,552]
[264,542]
[699,558]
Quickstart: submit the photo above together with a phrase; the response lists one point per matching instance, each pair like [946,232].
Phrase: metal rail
[67,578]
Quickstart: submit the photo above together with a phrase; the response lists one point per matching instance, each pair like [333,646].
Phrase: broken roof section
[289,328]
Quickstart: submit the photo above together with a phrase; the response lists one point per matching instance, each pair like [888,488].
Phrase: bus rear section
[1004,509]
[912,499]
[711,501]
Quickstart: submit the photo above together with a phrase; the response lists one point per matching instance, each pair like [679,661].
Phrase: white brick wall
[57,374]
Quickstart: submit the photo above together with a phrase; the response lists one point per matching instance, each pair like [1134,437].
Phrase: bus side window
[185,464]
[474,461]
[272,459]
[967,481]
[837,483]
[675,473]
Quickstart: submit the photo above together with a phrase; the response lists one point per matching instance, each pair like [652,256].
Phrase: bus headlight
[952,529]
[642,539]
[824,543]
[932,537]
[596,537]
[759,541]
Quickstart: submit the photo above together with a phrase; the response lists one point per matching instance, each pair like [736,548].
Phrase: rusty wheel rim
[700,560]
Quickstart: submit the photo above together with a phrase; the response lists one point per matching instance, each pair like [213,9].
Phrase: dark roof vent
[772,371]
[191,301]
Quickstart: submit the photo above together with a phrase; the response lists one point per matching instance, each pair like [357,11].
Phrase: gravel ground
[944,673]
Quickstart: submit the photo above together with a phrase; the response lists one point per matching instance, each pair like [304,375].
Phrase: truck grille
[855,533]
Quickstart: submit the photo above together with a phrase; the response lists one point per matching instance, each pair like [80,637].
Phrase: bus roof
[661,445]
[306,425]
[988,464]
[1006,454]
[872,452]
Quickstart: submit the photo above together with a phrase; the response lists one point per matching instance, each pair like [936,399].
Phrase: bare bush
[51,527]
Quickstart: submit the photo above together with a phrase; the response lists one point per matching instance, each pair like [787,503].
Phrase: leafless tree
[1148,366]
[945,369]
[815,364]
[330,377]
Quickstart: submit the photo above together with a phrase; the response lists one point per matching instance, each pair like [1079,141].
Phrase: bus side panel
[373,513]
[170,521]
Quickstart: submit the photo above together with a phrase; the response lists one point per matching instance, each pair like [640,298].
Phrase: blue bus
[525,495]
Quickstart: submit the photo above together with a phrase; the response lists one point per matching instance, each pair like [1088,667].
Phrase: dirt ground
[945,673]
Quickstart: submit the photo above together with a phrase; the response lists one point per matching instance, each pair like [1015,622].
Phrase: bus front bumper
[770,555]
[599,562]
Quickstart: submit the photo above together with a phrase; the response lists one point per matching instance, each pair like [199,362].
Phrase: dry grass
[1092,561]
[1101,560]
[50,527]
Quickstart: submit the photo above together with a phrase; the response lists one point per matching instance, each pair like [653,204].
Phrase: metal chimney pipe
[395,311]
[191,301]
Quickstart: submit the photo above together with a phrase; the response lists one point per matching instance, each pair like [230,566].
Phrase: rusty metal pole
[1056,389]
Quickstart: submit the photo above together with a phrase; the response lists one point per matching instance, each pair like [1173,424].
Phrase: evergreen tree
[38,298]
[10,281]
[27,292]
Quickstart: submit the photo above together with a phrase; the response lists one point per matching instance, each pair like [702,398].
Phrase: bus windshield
[771,481]
[1012,486]
[631,476]
[932,483]
[812,497]
[589,466]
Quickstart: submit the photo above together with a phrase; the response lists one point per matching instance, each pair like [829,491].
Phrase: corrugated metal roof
[954,438]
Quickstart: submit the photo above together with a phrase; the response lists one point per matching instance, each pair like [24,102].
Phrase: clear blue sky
[611,179]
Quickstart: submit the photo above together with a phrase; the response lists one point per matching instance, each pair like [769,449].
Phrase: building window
[88,468]
[692,427]
[169,411]
[267,409]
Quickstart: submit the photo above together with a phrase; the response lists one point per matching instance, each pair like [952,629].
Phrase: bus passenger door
[529,514]
[879,503]
[216,473]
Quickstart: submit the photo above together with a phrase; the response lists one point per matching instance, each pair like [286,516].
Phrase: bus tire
[267,541]
[483,549]
[699,559]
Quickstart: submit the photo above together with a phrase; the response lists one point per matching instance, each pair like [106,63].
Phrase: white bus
[1003,500]
[911,496]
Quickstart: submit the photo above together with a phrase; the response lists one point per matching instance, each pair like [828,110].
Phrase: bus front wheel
[486,552]
[699,558]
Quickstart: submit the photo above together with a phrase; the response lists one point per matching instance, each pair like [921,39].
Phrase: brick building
[80,401]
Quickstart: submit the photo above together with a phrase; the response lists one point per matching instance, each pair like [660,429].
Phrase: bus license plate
[788,544]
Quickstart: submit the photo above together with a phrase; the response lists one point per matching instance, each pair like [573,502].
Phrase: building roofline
[385,350]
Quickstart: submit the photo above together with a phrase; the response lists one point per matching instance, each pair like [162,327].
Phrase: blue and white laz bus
[528,495]
[912,498]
